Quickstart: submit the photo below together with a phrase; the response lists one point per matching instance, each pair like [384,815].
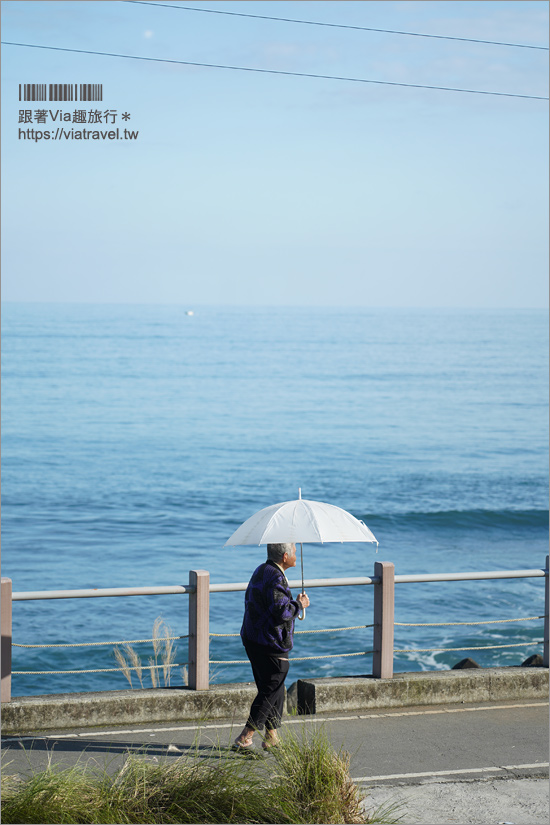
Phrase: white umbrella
[300,521]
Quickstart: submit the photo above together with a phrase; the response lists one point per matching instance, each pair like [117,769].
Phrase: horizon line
[191,305]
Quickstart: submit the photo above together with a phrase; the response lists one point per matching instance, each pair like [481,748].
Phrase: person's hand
[303,600]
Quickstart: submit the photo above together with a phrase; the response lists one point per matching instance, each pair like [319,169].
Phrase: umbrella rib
[268,527]
[313,520]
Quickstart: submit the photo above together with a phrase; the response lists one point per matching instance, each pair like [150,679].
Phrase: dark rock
[533,661]
[467,662]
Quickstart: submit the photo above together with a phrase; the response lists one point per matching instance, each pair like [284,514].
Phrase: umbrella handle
[302,617]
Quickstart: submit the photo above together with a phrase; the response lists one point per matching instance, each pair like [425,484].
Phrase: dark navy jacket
[269,610]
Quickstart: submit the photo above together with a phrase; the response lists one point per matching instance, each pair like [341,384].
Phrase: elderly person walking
[267,635]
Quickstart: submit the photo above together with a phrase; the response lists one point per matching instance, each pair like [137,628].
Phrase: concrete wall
[232,701]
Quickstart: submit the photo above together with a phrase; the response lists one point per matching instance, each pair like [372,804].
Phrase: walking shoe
[267,745]
[270,744]
[243,747]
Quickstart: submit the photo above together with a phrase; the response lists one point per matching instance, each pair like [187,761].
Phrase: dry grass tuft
[308,782]
[163,650]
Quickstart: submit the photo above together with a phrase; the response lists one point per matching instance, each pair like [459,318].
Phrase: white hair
[275,552]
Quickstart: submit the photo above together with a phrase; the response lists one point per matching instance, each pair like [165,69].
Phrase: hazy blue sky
[246,188]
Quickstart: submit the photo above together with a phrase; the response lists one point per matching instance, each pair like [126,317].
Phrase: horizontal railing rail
[200,587]
[98,592]
[232,587]
[538,572]
[229,587]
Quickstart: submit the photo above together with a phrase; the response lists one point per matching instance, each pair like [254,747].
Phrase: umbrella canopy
[300,521]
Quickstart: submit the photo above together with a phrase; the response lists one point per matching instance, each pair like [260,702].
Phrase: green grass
[306,781]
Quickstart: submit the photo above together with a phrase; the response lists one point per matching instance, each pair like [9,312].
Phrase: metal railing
[96,592]
[199,588]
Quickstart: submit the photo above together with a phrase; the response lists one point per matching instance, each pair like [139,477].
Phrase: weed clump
[305,782]
[313,781]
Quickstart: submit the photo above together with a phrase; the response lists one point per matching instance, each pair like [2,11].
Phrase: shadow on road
[93,746]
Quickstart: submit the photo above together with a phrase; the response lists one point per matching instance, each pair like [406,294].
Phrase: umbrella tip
[299,492]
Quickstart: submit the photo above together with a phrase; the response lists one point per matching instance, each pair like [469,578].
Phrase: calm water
[136,439]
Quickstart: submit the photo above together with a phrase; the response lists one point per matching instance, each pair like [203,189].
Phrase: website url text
[77,134]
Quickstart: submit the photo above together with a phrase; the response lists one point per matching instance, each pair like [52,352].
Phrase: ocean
[137,438]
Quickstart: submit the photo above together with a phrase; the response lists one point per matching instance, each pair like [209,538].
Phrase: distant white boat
[189,312]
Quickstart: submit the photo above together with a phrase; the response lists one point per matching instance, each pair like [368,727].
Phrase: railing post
[382,660]
[199,629]
[546,589]
[5,610]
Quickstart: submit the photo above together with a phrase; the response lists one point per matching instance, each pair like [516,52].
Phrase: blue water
[137,438]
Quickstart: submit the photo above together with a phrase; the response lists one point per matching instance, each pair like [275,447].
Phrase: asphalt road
[391,750]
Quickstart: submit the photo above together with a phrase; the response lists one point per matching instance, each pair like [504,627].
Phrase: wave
[451,519]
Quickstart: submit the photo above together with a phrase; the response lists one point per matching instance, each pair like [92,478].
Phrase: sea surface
[137,438]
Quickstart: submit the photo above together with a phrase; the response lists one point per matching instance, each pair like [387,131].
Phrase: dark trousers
[269,674]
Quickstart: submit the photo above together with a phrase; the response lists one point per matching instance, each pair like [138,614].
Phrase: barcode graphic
[91,91]
[60,91]
[32,91]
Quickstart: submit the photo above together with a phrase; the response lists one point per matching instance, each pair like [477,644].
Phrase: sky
[248,188]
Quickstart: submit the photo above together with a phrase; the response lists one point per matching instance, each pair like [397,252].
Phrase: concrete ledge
[428,688]
[232,701]
[126,707]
